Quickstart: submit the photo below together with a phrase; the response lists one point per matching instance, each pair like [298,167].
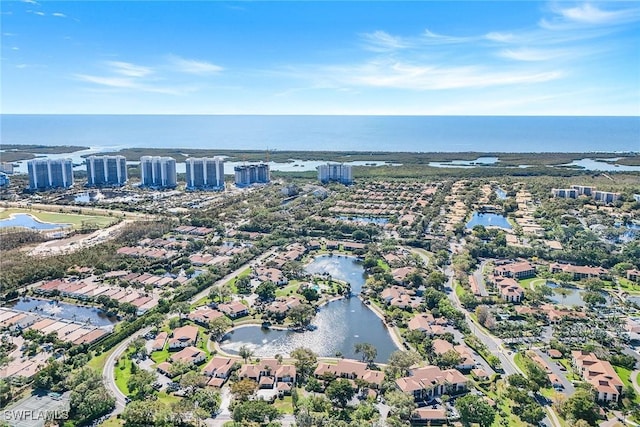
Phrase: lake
[63,310]
[339,324]
[571,296]
[29,221]
[488,220]
[365,220]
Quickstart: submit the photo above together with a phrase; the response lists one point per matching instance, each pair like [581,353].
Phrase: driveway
[555,369]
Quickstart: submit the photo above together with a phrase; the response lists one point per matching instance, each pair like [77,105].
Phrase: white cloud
[59,15]
[129,69]
[428,77]
[381,41]
[589,14]
[31,2]
[131,83]
[533,55]
[191,66]
[497,36]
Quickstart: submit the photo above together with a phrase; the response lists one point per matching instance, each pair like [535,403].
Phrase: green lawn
[625,376]
[98,362]
[113,422]
[76,220]
[160,356]
[122,375]
[628,285]
[526,283]
[285,405]
[167,399]
[288,289]
[383,265]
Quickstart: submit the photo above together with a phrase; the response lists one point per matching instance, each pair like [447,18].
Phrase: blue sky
[432,58]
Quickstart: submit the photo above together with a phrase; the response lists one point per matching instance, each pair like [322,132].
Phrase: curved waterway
[339,324]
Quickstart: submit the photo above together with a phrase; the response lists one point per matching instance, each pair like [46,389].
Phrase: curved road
[493,343]
[108,371]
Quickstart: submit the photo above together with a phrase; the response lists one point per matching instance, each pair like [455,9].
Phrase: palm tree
[245,352]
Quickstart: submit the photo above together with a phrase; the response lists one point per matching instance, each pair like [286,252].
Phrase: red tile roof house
[265,274]
[183,337]
[234,309]
[190,355]
[351,369]
[401,275]
[441,346]
[165,368]
[600,374]
[219,367]
[509,290]
[633,275]
[268,373]
[430,381]
[579,272]
[159,342]
[429,416]
[517,270]
[204,315]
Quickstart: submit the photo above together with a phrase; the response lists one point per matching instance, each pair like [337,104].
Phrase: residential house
[184,336]
[579,272]
[633,275]
[159,342]
[430,381]
[467,361]
[509,289]
[517,270]
[234,309]
[600,374]
[204,315]
[265,274]
[219,367]
[189,355]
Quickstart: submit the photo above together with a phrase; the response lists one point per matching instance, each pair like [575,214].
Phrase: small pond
[29,221]
[365,219]
[488,220]
[63,310]
[570,296]
[339,324]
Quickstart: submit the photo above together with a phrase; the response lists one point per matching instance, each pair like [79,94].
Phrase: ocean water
[328,133]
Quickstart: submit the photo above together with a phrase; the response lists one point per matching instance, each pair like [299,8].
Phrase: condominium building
[252,174]
[6,167]
[335,172]
[583,190]
[50,173]
[206,173]
[605,196]
[159,172]
[565,193]
[106,171]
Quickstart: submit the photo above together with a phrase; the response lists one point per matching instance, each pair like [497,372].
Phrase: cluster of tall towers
[205,173]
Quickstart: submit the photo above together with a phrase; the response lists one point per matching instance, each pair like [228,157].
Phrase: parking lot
[35,410]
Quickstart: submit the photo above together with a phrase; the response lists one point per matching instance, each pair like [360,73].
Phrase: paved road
[494,344]
[109,368]
[480,279]
[555,369]
[108,372]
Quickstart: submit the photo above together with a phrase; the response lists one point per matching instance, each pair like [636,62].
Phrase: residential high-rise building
[205,173]
[252,174]
[565,193]
[6,167]
[50,173]
[606,196]
[158,172]
[335,172]
[4,179]
[106,171]
[584,190]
